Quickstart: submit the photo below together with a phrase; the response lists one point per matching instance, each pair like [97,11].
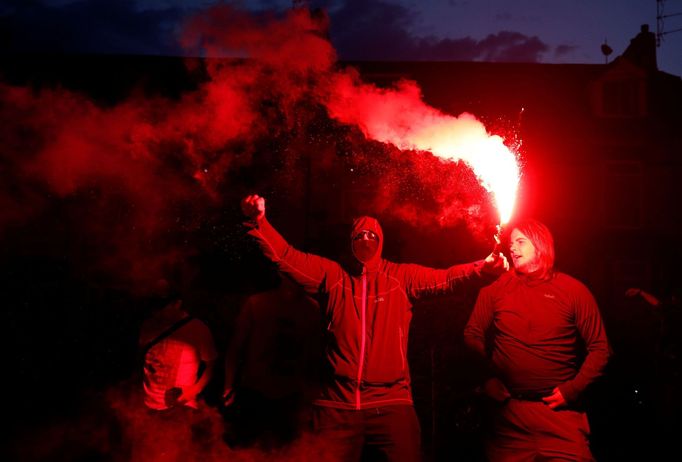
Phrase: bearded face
[523,253]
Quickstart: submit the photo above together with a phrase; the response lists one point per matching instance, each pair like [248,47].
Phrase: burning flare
[400,117]
[465,138]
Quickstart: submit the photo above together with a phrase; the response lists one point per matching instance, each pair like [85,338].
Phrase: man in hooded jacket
[366,401]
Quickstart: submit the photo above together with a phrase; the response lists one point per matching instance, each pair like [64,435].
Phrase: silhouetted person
[366,399]
[178,361]
[536,317]
[269,366]
[669,310]
[667,362]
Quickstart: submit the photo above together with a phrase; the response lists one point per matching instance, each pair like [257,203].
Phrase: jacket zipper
[402,353]
[362,341]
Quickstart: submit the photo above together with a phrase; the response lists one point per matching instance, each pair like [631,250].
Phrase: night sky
[492,30]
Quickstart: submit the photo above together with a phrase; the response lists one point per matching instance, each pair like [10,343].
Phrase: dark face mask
[365,246]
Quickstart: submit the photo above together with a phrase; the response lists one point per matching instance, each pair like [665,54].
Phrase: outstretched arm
[420,280]
[649,298]
[310,271]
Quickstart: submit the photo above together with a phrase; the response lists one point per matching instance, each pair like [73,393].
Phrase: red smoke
[400,117]
[123,160]
[143,163]
[294,44]
[294,50]
[116,426]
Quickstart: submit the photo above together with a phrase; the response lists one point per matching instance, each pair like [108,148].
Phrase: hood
[369,224]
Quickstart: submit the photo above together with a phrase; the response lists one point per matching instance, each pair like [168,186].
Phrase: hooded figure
[367,315]
[367,240]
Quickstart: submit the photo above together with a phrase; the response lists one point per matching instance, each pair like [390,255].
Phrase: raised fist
[253,206]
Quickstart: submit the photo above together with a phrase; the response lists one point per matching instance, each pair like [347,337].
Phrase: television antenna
[661,16]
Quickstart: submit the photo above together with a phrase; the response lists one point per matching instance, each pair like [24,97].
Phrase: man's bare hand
[555,400]
[228,396]
[189,393]
[494,388]
[496,263]
[633,292]
[253,206]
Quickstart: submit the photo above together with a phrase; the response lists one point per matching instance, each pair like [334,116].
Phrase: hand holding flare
[497,250]
[496,262]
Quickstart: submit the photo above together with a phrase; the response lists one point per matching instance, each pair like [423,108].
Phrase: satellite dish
[606,50]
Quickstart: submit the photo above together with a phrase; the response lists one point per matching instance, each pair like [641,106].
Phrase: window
[622,206]
[623,98]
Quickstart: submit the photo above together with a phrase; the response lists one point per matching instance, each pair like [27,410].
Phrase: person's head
[366,239]
[160,298]
[531,247]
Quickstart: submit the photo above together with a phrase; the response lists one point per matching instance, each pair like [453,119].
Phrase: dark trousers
[529,431]
[255,418]
[387,433]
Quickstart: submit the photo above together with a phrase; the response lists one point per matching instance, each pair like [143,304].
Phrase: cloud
[360,30]
[511,46]
[380,31]
[563,50]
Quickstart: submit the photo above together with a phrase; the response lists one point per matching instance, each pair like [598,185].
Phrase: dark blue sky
[556,31]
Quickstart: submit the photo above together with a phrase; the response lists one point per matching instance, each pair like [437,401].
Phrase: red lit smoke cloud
[139,177]
[132,168]
[125,431]
[399,117]
[296,51]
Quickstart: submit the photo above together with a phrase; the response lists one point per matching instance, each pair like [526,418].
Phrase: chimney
[642,50]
